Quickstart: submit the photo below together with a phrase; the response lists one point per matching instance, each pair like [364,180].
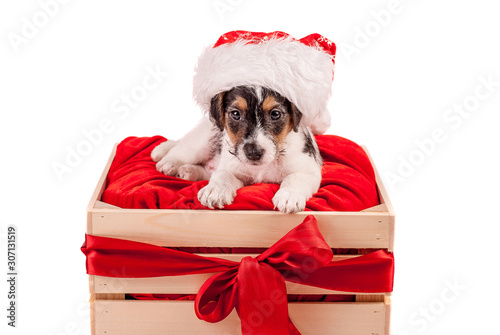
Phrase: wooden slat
[178,317]
[96,196]
[384,200]
[204,228]
[388,310]
[378,208]
[99,204]
[339,318]
[107,296]
[370,298]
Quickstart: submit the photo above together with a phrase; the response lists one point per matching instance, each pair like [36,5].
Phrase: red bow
[254,286]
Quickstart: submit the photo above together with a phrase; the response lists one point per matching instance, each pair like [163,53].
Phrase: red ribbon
[254,286]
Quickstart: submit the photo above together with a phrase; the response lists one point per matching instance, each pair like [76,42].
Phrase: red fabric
[313,40]
[133,181]
[254,286]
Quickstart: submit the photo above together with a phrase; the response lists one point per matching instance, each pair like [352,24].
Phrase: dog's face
[256,121]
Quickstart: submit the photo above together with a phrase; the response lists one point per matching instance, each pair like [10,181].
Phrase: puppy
[252,135]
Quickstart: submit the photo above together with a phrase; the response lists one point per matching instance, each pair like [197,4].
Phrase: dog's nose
[253,151]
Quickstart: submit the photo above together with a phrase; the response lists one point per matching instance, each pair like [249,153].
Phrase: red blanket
[133,182]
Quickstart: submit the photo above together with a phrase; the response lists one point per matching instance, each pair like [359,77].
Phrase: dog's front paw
[193,172]
[161,150]
[216,195]
[287,201]
[167,167]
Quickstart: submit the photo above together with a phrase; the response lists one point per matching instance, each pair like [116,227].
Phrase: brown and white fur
[253,135]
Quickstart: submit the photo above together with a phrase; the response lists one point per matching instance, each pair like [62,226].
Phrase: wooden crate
[111,314]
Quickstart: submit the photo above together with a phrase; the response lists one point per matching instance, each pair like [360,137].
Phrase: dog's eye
[235,115]
[275,114]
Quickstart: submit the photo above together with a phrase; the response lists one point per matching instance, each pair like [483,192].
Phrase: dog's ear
[217,114]
[296,116]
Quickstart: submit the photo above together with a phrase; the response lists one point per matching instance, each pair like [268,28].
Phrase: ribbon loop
[217,296]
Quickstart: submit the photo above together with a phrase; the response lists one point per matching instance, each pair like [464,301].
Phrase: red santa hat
[300,70]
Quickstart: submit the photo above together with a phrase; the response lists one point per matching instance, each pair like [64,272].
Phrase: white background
[397,77]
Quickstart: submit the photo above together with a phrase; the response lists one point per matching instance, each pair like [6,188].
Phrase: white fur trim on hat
[301,73]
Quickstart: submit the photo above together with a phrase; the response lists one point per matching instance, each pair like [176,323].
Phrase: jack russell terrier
[253,135]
